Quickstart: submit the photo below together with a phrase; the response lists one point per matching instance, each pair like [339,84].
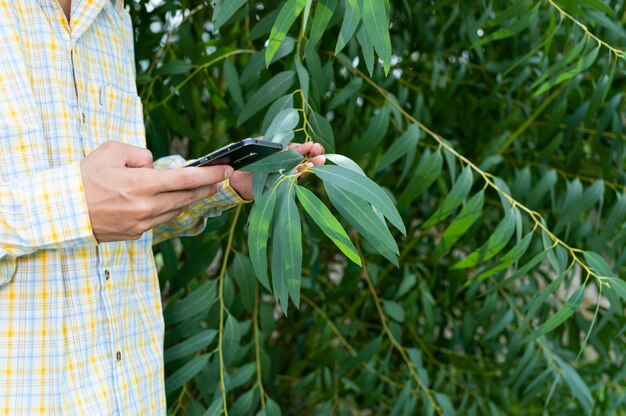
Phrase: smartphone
[239,154]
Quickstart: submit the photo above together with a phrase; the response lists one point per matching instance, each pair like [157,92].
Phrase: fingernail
[310,164]
[228,172]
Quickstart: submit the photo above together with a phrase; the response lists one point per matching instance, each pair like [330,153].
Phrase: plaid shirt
[81,325]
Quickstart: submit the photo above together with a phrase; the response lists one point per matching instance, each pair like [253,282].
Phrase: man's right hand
[127,197]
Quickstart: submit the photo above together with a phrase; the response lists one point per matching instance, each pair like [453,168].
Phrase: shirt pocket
[117,116]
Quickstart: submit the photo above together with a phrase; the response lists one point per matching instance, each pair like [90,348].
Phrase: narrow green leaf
[598,5]
[269,92]
[286,261]
[577,386]
[286,17]
[362,187]
[367,48]
[230,339]
[190,346]
[175,67]
[426,173]
[362,356]
[303,78]
[232,82]
[570,307]
[186,373]
[258,231]
[271,409]
[351,19]
[322,131]
[279,161]
[327,223]
[361,216]
[446,404]
[323,13]
[351,89]
[507,31]
[224,10]
[561,63]
[580,66]
[513,12]
[508,259]
[374,134]
[462,187]
[283,103]
[376,25]
[590,197]
[393,310]
[466,218]
[242,271]
[345,162]
[496,242]
[259,180]
[402,146]
[199,301]
[216,407]
[499,325]
[245,403]
[598,264]
[240,376]
[281,129]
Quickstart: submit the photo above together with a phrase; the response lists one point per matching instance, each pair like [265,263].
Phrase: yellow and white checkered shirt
[81,325]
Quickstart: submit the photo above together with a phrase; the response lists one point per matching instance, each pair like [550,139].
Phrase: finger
[162,218]
[317,150]
[319,160]
[170,180]
[182,199]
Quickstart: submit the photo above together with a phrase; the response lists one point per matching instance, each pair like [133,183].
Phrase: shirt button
[107,274]
[119,356]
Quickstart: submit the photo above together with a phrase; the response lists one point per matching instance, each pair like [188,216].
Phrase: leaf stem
[257,346]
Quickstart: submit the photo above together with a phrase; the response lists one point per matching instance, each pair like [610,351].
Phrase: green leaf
[570,307]
[191,345]
[345,162]
[240,376]
[279,161]
[466,218]
[577,386]
[327,223]
[508,259]
[362,356]
[499,325]
[258,231]
[269,92]
[374,134]
[362,187]
[426,173]
[281,129]
[175,67]
[199,301]
[245,403]
[230,339]
[286,262]
[402,146]
[271,409]
[561,63]
[303,78]
[242,271]
[283,103]
[513,12]
[186,373]
[367,48]
[363,218]
[232,82]
[376,25]
[323,13]
[462,187]
[598,264]
[514,28]
[351,20]
[496,242]
[322,131]
[446,404]
[591,196]
[216,407]
[286,17]
[351,89]
[598,5]
[224,10]
[393,310]
[582,65]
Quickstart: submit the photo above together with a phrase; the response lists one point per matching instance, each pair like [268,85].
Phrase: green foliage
[474,196]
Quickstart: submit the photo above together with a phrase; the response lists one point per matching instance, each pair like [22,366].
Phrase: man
[80,206]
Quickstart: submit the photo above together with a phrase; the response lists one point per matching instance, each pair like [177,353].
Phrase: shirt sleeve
[47,210]
[193,219]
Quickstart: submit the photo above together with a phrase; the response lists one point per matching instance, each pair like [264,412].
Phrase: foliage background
[426,337]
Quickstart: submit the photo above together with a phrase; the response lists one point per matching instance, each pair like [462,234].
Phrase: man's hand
[126,197]
[241,182]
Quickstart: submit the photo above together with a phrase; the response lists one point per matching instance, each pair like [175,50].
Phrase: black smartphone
[239,154]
